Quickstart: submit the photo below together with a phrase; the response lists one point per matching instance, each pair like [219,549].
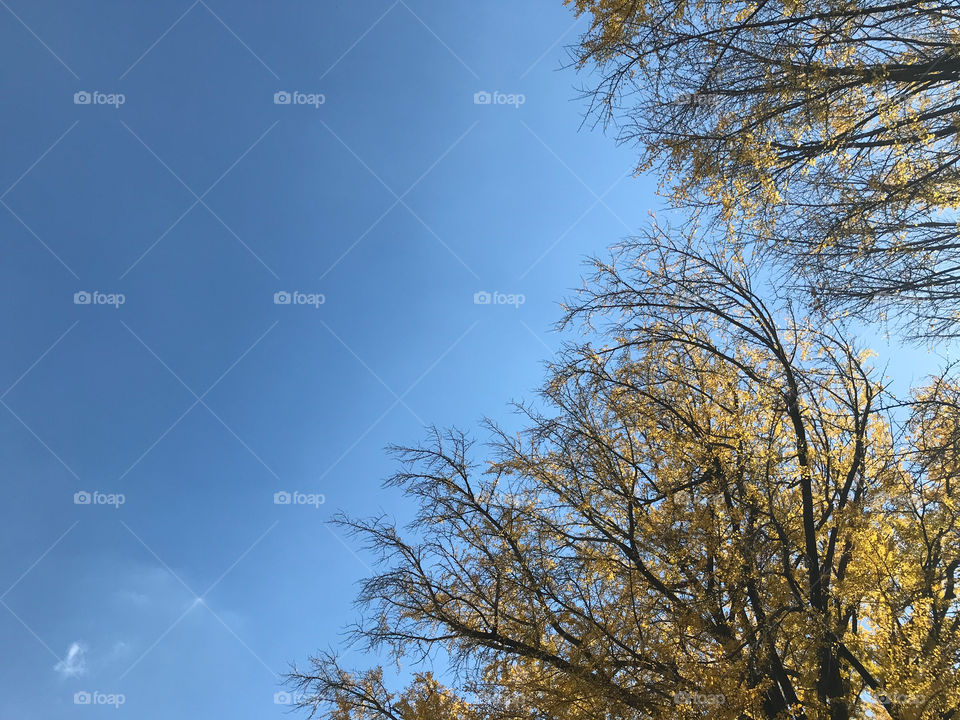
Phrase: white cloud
[119,651]
[75,663]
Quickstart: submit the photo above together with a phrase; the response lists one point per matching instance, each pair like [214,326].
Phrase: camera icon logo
[481,297]
[81,698]
[282,697]
[482,98]
[281,498]
[82,97]
[81,298]
[281,298]
[281,97]
[82,497]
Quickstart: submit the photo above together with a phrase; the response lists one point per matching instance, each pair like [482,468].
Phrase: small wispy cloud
[75,663]
[119,651]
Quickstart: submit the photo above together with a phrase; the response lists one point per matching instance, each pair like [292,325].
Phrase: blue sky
[195,201]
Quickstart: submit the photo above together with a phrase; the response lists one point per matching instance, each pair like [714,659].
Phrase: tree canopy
[718,508]
[712,513]
[827,132]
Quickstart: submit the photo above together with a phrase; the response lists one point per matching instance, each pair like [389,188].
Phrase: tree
[828,132]
[711,514]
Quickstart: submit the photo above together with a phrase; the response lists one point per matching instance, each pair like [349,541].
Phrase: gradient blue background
[95,398]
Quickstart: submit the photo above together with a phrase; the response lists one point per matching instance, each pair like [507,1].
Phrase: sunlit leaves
[827,132]
[710,515]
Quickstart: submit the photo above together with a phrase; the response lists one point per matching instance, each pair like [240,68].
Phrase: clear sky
[151,169]
[197,198]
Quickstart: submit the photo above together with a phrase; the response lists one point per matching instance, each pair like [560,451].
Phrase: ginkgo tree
[828,132]
[717,510]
